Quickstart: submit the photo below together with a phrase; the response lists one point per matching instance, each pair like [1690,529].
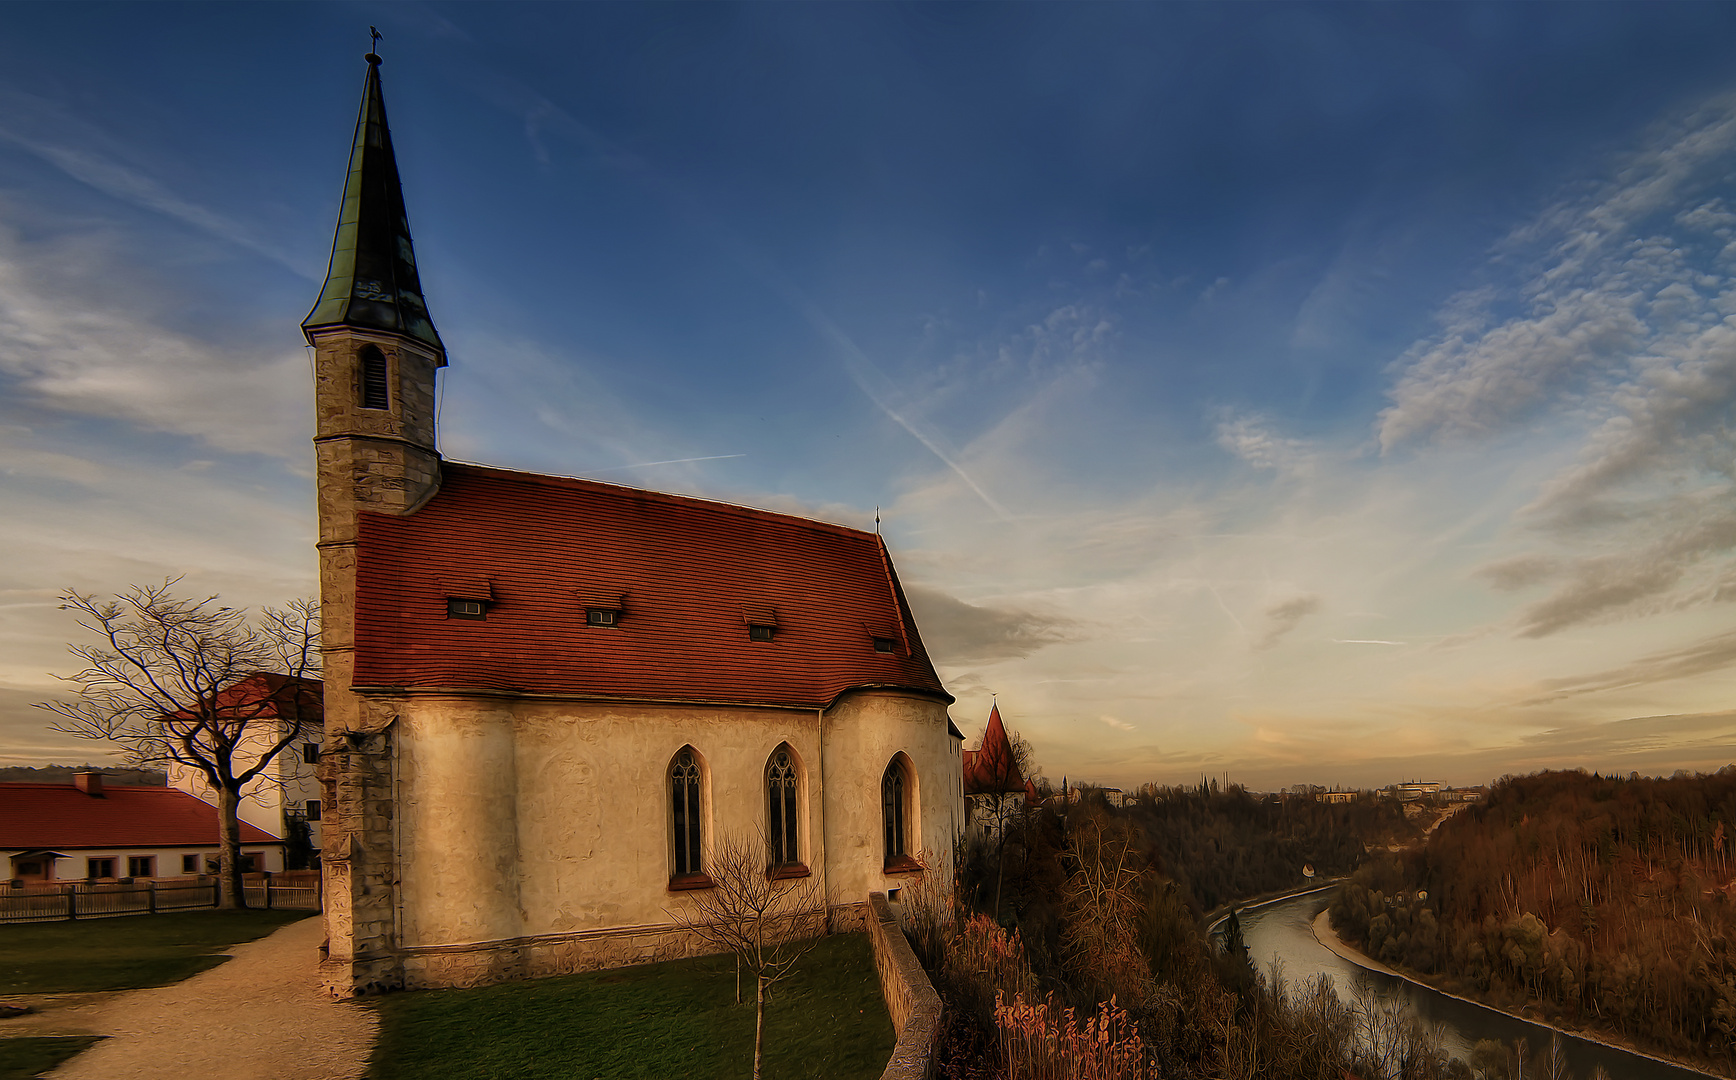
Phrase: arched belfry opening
[376,390]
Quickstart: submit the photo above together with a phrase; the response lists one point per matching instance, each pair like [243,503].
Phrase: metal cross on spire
[374,48]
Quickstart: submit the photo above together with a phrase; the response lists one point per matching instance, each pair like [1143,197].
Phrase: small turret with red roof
[992,769]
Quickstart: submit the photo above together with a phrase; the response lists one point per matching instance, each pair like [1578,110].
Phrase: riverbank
[1218,914]
[1328,937]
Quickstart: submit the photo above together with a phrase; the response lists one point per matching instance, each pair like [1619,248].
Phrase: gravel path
[261,1016]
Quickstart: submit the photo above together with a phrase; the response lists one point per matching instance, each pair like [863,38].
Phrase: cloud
[1605,586]
[1252,439]
[1285,617]
[1714,653]
[955,631]
[96,159]
[60,353]
[1617,338]
[1118,725]
[1519,571]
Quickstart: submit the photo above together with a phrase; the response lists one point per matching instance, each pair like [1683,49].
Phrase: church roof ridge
[371,282]
[673,497]
[677,572]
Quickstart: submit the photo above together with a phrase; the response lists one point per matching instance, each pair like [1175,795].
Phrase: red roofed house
[547,698]
[89,831]
[271,709]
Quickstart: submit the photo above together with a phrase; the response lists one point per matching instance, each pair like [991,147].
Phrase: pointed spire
[993,768]
[372,282]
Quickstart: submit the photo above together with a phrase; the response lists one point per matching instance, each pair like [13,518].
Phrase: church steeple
[372,282]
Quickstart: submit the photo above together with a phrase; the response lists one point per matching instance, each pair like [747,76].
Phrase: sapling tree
[767,922]
[191,683]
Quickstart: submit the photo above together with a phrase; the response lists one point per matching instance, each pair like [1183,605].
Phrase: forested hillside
[1607,901]
[1224,845]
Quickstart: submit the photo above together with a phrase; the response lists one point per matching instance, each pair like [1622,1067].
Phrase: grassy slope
[672,1020]
[124,953]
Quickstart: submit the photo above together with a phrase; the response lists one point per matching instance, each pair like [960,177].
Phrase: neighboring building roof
[687,575]
[60,816]
[267,695]
[991,768]
[372,280]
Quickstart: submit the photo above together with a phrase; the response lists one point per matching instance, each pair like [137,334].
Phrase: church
[547,698]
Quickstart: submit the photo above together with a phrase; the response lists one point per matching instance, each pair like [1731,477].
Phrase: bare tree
[767,922]
[1001,771]
[199,685]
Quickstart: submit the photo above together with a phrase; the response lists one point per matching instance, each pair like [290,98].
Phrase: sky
[1333,394]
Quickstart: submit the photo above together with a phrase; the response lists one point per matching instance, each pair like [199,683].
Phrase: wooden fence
[57,900]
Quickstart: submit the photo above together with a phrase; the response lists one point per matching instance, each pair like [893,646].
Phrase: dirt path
[261,1016]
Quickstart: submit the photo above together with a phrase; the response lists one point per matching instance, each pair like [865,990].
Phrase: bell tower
[376,355]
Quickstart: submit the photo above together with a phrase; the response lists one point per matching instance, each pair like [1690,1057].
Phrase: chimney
[89,782]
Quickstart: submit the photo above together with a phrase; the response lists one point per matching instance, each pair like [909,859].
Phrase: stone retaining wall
[910,997]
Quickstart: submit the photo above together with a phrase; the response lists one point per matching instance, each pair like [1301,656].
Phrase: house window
[757,632]
[99,868]
[882,644]
[684,792]
[189,864]
[466,609]
[310,753]
[313,810]
[781,788]
[892,811]
[141,866]
[374,391]
[29,869]
[252,862]
[602,616]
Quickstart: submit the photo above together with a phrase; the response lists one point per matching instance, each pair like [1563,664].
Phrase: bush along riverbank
[1598,905]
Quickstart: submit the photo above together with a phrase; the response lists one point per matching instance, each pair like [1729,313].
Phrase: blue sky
[1310,393]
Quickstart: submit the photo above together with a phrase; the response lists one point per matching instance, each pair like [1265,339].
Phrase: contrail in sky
[540,113]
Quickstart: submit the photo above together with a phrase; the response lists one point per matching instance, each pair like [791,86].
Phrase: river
[1282,930]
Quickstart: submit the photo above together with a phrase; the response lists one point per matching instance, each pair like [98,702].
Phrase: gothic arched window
[782,793]
[684,792]
[892,804]
[375,394]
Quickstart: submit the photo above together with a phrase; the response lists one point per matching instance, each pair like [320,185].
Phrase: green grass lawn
[126,952]
[672,1021]
[21,1059]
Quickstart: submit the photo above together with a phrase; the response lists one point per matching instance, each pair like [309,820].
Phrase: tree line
[1605,902]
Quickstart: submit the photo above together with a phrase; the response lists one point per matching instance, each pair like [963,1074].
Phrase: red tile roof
[687,575]
[267,695]
[991,767]
[60,817]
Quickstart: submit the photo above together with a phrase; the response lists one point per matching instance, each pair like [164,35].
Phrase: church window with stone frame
[893,802]
[376,391]
[688,863]
[783,810]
